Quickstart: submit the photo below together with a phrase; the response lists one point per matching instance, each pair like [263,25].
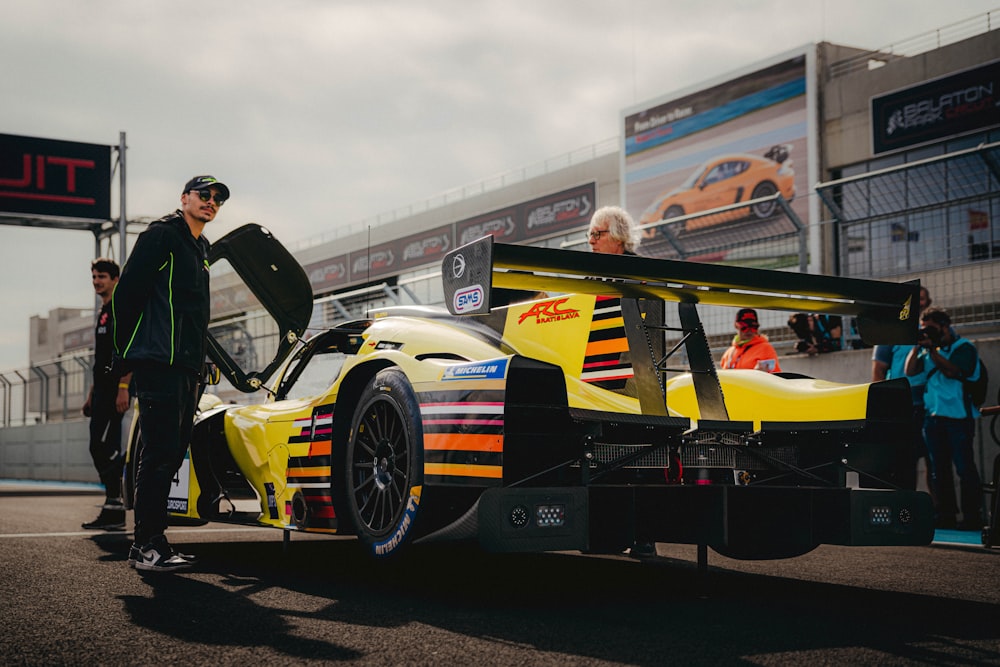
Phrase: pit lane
[68,598]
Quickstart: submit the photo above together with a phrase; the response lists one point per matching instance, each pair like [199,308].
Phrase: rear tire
[675,211]
[131,461]
[765,209]
[383,465]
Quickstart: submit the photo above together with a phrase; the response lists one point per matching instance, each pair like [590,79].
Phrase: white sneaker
[157,556]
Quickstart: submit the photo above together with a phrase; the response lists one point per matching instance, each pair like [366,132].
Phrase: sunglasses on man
[207,196]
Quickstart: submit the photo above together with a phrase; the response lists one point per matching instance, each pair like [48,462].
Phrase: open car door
[277,283]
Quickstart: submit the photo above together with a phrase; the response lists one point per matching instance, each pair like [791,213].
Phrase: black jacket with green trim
[162,304]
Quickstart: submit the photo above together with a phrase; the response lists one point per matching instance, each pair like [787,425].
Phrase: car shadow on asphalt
[595,608]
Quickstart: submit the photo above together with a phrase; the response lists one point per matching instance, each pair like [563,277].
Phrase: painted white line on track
[173,531]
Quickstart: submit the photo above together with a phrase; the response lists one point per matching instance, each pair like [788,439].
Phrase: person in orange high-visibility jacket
[750,349]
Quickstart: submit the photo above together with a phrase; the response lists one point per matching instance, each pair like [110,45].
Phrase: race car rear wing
[886,312]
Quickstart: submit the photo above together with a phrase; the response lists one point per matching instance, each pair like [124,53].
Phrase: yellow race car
[534,414]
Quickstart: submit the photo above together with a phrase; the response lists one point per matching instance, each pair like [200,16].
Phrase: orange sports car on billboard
[725,180]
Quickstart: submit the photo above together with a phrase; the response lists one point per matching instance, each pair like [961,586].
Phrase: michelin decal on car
[406,522]
[481,370]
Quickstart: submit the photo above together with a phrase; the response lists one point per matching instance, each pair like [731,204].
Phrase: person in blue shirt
[889,363]
[949,423]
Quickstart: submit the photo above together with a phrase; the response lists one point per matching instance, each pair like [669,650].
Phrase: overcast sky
[319,114]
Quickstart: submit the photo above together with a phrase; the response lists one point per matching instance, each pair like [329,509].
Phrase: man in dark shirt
[106,403]
[161,309]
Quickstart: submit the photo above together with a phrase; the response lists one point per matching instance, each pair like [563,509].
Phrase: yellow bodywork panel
[553,330]
[757,396]
[261,433]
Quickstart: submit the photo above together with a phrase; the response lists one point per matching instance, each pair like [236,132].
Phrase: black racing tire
[383,465]
[131,461]
[764,209]
[674,211]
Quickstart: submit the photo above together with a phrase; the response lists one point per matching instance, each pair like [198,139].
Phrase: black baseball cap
[202,182]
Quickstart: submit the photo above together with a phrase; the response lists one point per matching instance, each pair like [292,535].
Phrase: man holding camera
[950,417]
[818,332]
[889,363]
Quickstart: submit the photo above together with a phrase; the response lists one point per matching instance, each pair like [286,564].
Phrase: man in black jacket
[161,313]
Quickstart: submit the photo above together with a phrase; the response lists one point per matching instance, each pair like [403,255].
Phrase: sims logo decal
[468,299]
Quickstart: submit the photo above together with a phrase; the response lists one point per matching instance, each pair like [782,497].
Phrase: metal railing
[928,41]
[53,390]
[503,180]
[933,219]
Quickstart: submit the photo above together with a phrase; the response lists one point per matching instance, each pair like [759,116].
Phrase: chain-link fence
[932,220]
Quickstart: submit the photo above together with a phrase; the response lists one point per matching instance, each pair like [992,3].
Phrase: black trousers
[106,438]
[167,398]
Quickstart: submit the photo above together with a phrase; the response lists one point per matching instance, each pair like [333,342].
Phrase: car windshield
[315,377]
[693,178]
[317,366]
[726,170]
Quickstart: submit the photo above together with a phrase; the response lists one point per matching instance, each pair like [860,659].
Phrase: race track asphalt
[68,599]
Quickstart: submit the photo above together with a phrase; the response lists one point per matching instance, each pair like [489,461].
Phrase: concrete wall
[856,365]
[56,451]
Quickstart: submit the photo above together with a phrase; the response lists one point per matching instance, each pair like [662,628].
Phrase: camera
[930,333]
[802,346]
